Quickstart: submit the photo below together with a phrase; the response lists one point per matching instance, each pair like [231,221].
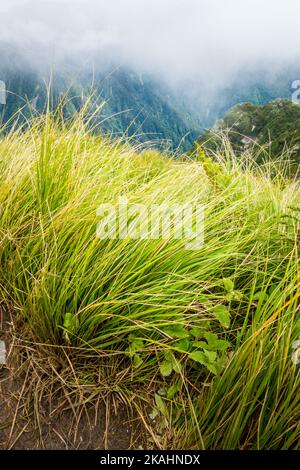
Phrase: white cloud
[178,39]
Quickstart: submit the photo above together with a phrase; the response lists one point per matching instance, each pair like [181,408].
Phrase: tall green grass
[203,336]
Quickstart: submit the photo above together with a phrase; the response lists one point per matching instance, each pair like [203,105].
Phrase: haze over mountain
[167,69]
[204,41]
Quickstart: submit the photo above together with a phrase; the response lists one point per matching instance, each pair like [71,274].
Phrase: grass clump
[203,337]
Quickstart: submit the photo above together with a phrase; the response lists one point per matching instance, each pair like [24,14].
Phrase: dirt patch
[67,432]
[99,425]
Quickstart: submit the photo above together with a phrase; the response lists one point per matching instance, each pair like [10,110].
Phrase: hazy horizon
[209,41]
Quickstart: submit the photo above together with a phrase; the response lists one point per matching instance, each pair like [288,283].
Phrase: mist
[208,41]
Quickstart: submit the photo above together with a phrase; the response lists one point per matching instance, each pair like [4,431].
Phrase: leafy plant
[211,328]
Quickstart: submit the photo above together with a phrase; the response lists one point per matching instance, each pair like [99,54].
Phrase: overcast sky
[178,39]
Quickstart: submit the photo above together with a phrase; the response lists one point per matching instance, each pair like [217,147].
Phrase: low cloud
[179,40]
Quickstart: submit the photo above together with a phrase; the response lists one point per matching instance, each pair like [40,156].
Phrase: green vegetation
[128,105]
[199,342]
[269,130]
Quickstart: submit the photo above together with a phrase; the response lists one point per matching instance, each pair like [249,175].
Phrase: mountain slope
[134,105]
[275,127]
[258,87]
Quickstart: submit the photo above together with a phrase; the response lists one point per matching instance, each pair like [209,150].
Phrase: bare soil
[93,426]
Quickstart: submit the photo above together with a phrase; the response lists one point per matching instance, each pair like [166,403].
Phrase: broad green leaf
[223,345]
[215,343]
[183,344]
[198,356]
[176,331]
[169,356]
[200,344]
[211,338]
[177,366]
[166,368]
[173,390]
[228,284]
[137,360]
[136,344]
[212,367]
[211,355]
[202,358]
[71,321]
[154,413]
[222,314]
[197,332]
[68,320]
